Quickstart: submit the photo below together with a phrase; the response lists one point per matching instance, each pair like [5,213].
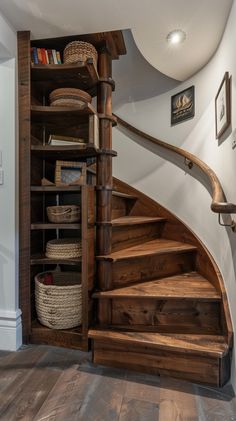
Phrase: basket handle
[69,210]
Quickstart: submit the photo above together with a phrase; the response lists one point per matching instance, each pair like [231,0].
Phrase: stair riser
[188,316]
[127,236]
[186,366]
[121,206]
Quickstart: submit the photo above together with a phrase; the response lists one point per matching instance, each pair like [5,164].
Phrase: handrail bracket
[232,225]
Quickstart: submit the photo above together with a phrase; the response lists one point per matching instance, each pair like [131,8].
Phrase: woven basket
[59,306]
[69,97]
[63,214]
[64,248]
[80,51]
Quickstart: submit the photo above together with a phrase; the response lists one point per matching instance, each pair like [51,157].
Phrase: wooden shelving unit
[37,120]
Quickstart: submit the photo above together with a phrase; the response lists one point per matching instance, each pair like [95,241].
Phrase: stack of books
[43,56]
[55,140]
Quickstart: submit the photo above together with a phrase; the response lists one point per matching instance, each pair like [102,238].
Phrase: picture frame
[183,106]
[223,107]
[68,173]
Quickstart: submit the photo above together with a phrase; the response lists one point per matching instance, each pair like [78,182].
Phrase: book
[35,55]
[50,57]
[59,57]
[40,58]
[56,140]
[44,58]
[54,54]
[46,52]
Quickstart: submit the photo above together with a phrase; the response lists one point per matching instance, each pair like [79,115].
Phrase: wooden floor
[43,383]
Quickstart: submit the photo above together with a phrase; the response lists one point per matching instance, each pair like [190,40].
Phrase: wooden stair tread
[207,345]
[153,247]
[135,220]
[184,286]
[123,195]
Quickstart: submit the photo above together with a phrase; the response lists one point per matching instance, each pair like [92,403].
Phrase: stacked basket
[63,214]
[80,51]
[69,97]
[64,248]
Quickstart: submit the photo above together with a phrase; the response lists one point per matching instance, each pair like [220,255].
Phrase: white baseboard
[10,330]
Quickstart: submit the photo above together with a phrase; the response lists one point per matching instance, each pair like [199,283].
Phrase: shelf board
[50,226]
[69,338]
[51,189]
[60,116]
[82,75]
[64,152]
[41,259]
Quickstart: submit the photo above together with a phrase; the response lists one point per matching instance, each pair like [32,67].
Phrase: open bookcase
[37,122]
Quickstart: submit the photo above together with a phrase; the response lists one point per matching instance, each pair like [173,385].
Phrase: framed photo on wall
[223,106]
[182,106]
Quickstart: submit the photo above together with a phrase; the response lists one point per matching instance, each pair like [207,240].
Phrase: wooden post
[24,179]
[104,160]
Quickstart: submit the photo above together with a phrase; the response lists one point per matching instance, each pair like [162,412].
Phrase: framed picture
[182,106]
[69,173]
[222,106]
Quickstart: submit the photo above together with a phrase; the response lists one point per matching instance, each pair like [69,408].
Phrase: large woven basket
[64,248]
[80,51]
[59,306]
[69,97]
[63,214]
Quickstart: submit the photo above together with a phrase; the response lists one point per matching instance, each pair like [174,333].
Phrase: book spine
[35,54]
[59,57]
[44,59]
[50,57]
[47,58]
[40,58]
[54,54]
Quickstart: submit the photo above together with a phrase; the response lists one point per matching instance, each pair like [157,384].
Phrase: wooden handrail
[219,203]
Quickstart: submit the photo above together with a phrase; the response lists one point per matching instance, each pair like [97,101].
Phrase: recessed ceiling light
[176,37]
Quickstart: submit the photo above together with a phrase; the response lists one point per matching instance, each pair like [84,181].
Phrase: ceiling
[150,21]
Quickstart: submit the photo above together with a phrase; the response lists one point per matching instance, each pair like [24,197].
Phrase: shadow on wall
[132,72]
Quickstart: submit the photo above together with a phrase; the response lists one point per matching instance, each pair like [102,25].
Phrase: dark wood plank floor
[42,383]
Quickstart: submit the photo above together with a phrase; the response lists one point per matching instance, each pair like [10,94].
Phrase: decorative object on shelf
[63,214]
[80,51]
[56,140]
[182,106]
[64,248]
[43,56]
[223,106]
[58,299]
[70,173]
[69,97]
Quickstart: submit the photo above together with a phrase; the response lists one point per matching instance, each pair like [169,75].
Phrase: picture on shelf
[222,106]
[182,106]
[70,173]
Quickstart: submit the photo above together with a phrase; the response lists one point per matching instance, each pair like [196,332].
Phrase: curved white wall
[169,185]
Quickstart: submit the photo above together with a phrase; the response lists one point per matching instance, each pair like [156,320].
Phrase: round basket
[63,97]
[80,51]
[63,214]
[64,248]
[59,305]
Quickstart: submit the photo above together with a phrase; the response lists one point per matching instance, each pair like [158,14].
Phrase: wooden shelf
[70,338]
[48,226]
[54,189]
[41,259]
[81,75]
[64,152]
[60,116]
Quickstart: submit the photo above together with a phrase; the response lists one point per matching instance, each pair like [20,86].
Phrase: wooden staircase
[161,306]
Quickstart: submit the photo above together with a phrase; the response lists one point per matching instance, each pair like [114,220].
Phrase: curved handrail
[219,203]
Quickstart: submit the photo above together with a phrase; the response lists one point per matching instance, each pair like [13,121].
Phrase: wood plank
[207,345]
[154,247]
[50,189]
[135,220]
[49,226]
[41,259]
[133,410]
[187,286]
[177,401]
[180,365]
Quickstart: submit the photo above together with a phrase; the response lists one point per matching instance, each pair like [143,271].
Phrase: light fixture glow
[176,37]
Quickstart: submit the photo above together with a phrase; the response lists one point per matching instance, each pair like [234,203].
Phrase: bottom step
[197,358]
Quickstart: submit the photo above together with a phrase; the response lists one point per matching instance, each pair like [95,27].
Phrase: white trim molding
[10,330]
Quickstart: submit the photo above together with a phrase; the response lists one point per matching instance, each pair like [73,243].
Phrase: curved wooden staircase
[161,305]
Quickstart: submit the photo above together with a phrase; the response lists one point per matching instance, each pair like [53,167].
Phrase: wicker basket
[64,248]
[59,306]
[63,214]
[80,51]
[69,97]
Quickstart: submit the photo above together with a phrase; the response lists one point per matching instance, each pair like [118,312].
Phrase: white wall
[169,185]
[10,315]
